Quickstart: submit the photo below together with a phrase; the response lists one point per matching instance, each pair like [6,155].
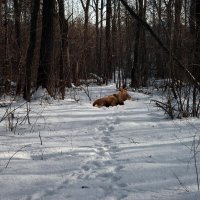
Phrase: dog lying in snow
[113,100]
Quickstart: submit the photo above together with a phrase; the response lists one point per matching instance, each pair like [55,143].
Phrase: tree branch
[147,26]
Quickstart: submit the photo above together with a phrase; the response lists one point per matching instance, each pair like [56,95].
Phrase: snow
[74,151]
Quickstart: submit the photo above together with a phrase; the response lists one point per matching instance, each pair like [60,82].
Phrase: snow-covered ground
[74,151]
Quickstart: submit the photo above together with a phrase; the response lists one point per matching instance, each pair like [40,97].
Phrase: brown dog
[113,100]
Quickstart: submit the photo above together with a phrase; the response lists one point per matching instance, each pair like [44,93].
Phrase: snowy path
[128,152]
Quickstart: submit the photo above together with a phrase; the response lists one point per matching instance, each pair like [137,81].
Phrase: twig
[181,183]
[40,138]
[7,113]
[86,91]
[27,117]
[195,162]
[15,154]
[133,141]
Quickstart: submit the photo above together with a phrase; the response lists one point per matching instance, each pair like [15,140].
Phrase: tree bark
[135,69]
[108,65]
[17,11]
[0,12]
[31,49]
[64,41]
[17,14]
[101,40]
[47,44]
[195,15]
[114,40]
[97,46]
[85,38]
[177,36]
[197,32]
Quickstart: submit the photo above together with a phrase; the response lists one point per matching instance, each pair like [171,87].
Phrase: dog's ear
[124,87]
[120,89]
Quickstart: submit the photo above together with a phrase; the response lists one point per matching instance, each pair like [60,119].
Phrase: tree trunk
[64,41]
[0,12]
[101,40]
[7,71]
[177,37]
[135,72]
[47,44]
[85,38]
[17,14]
[97,46]
[17,11]
[31,48]
[196,69]
[197,32]
[108,65]
[114,40]
[144,68]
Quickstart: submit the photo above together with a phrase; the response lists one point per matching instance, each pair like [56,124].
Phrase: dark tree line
[52,43]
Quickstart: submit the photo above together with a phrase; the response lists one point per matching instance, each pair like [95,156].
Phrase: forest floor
[74,151]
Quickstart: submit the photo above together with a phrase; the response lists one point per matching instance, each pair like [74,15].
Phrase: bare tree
[85,37]
[31,49]
[114,39]
[195,29]
[17,13]
[108,65]
[97,45]
[47,44]
[101,58]
[135,68]
[64,38]
[158,40]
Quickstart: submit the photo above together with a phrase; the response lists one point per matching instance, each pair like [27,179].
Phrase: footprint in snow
[102,151]
[96,163]
[117,120]
[114,149]
[123,185]
[106,140]
[91,165]
[86,167]
[115,178]
[63,185]
[110,128]
[101,128]
[118,168]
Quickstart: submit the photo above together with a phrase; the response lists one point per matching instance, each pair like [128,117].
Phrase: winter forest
[99,99]
[55,43]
